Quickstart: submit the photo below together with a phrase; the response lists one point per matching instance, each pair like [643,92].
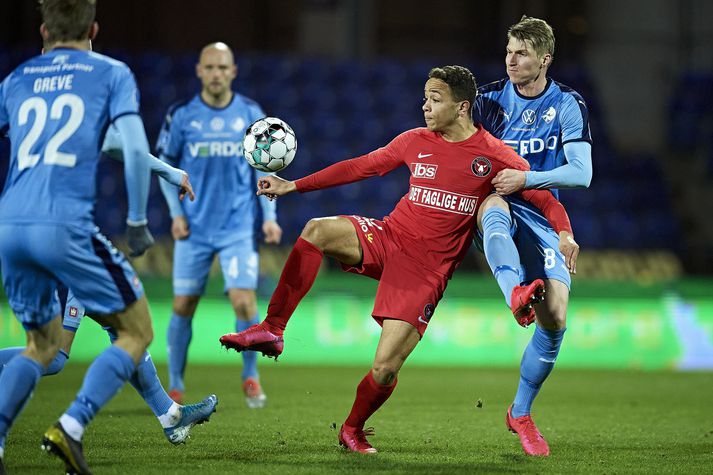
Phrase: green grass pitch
[595,422]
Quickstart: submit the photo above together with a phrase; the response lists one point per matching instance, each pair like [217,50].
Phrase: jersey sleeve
[551,209]
[170,139]
[379,162]
[4,115]
[574,119]
[124,95]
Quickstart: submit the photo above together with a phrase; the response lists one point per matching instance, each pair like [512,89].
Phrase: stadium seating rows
[340,109]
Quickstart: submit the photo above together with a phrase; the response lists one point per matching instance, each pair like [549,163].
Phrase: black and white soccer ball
[269,144]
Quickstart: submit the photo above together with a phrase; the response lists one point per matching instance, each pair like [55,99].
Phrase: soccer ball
[269,144]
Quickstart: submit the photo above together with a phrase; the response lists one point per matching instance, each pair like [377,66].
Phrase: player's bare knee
[384,373]
[492,201]
[313,232]
[185,305]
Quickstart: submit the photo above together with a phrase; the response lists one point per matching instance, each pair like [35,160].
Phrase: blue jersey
[57,107]
[537,128]
[207,143]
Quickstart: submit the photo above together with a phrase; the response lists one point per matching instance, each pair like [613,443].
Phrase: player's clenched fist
[273,186]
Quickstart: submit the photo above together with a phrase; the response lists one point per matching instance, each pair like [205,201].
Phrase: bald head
[218,47]
[216,70]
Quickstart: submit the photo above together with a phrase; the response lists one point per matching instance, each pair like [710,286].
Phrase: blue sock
[537,363]
[500,250]
[180,332]
[57,364]
[17,381]
[6,354]
[106,375]
[249,357]
[145,381]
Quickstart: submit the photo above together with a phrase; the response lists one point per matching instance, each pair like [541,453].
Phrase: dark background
[348,76]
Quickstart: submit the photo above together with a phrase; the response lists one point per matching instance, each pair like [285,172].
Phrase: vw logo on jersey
[528,116]
[217,124]
[481,166]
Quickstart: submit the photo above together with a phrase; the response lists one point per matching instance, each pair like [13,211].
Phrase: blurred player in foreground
[547,123]
[414,251]
[56,108]
[204,137]
[175,419]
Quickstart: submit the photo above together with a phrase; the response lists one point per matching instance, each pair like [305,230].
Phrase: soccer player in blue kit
[204,137]
[176,420]
[547,123]
[55,109]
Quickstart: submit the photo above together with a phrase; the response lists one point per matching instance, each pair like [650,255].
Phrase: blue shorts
[536,242]
[193,257]
[37,257]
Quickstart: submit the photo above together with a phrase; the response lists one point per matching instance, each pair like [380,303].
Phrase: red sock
[296,279]
[370,395]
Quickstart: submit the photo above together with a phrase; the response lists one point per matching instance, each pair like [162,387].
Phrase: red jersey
[435,220]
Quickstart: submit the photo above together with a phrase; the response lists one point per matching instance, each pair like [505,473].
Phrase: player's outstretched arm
[137,175]
[113,148]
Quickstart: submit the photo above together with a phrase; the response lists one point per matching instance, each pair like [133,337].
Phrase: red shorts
[407,290]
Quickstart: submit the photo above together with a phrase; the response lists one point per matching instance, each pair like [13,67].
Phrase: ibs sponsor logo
[423,170]
[215,149]
[443,200]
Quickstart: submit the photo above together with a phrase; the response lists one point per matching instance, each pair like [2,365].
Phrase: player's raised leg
[536,365]
[332,236]
[398,339]
[495,224]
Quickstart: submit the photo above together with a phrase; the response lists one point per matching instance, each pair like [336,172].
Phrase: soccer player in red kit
[412,252]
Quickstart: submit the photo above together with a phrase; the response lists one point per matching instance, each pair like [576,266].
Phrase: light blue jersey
[540,129]
[57,112]
[207,143]
[537,128]
[56,109]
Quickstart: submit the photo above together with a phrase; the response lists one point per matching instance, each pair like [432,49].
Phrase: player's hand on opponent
[570,250]
[509,181]
[273,186]
[179,228]
[139,239]
[272,232]
[186,189]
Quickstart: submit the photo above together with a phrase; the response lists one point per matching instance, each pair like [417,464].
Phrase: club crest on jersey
[238,124]
[428,311]
[73,312]
[528,116]
[481,167]
[549,115]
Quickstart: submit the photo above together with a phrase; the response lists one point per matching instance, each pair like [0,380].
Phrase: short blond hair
[536,31]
